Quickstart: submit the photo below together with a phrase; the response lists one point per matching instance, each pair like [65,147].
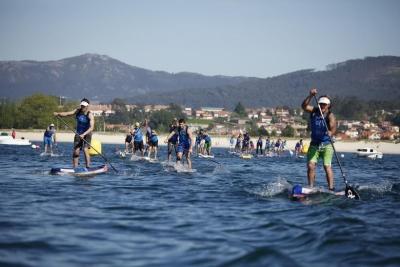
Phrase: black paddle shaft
[106,160]
[348,187]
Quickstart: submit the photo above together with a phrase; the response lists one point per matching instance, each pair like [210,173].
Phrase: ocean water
[230,212]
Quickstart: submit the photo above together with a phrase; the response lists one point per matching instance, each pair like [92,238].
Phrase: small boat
[8,140]
[369,152]
[80,171]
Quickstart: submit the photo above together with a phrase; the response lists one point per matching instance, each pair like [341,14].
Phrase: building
[101,110]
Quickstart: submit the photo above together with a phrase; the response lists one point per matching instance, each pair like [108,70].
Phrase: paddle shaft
[58,117]
[330,140]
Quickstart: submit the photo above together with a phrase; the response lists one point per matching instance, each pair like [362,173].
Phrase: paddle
[350,192]
[106,160]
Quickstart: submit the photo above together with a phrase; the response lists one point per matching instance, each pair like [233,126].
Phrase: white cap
[324,100]
[137,124]
[84,103]
[52,125]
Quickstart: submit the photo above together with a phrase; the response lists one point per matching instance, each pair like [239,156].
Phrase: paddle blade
[351,193]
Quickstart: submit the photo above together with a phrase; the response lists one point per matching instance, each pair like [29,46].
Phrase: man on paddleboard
[320,146]
[49,138]
[185,142]
[84,129]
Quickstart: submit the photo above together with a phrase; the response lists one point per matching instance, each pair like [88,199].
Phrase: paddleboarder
[185,142]
[84,128]
[49,138]
[320,146]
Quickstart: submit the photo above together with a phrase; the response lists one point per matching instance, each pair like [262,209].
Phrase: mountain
[97,77]
[372,78]
[103,78]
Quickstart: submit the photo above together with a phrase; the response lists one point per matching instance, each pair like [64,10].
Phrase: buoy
[95,145]
[305,148]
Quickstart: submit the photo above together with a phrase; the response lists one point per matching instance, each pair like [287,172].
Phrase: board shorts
[79,143]
[128,139]
[48,140]
[207,146]
[138,145]
[316,152]
[182,148]
[153,143]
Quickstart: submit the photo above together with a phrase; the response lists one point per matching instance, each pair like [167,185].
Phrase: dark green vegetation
[36,112]
[102,78]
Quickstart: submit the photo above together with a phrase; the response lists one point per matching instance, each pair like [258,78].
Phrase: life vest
[319,134]
[82,122]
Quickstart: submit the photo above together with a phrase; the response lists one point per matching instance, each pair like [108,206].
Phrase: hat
[51,125]
[324,100]
[84,103]
[137,124]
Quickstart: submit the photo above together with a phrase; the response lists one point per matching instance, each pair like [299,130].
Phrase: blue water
[236,213]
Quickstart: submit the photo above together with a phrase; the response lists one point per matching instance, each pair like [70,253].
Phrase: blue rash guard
[82,122]
[319,134]
[153,138]
[137,135]
[183,139]
[48,137]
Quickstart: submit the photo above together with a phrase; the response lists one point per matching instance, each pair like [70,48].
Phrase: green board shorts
[207,145]
[316,152]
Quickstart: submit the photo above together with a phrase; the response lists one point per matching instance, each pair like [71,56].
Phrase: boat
[8,140]
[369,152]
[80,171]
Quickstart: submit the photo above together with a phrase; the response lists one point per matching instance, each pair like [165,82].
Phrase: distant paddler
[153,144]
[138,140]
[84,128]
[185,141]
[320,146]
[173,139]
[49,139]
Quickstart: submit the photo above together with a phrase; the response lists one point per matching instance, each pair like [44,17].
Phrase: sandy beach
[36,136]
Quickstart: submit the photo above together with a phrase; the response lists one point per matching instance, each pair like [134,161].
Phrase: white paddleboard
[80,171]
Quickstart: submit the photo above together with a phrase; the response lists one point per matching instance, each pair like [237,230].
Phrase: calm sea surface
[231,212]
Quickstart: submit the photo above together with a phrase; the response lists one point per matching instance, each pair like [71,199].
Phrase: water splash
[274,188]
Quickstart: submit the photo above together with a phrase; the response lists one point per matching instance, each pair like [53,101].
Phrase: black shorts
[128,139]
[79,143]
[154,144]
[138,145]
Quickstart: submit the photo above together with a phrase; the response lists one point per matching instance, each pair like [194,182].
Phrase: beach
[386,147]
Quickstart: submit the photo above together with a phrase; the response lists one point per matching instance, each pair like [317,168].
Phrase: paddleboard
[246,156]
[151,160]
[80,171]
[206,156]
[43,154]
[299,192]
[173,166]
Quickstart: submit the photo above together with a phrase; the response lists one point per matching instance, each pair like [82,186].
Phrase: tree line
[36,112]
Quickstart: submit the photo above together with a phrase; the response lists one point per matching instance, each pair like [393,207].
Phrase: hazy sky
[249,37]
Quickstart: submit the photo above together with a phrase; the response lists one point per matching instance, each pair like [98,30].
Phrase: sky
[213,37]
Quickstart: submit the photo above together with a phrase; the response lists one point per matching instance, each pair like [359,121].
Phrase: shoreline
[36,136]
